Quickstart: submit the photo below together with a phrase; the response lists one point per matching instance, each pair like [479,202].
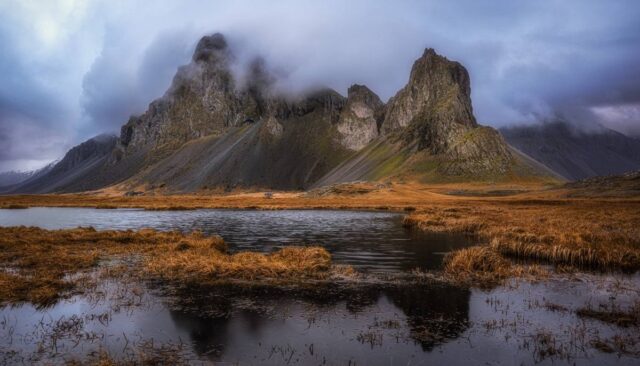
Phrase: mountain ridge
[211,130]
[574,153]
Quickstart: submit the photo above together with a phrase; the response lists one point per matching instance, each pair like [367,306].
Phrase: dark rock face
[433,113]
[209,47]
[211,129]
[576,154]
[434,108]
[201,101]
[360,119]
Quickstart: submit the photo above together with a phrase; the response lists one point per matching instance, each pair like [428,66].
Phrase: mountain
[212,129]
[75,172]
[624,185]
[576,154]
[13,178]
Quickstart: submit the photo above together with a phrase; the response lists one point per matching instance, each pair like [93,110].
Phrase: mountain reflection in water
[372,323]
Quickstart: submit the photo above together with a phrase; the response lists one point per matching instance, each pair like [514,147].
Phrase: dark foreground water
[385,323]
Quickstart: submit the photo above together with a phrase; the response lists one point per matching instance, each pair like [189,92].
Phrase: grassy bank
[40,266]
[518,221]
[578,233]
[483,266]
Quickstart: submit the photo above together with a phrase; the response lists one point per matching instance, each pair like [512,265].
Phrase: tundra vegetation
[40,266]
[518,231]
[565,227]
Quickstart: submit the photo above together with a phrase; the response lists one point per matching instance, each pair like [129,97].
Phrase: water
[384,323]
[368,240]
[387,325]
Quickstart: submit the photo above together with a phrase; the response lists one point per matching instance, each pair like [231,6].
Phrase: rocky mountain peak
[209,47]
[361,94]
[434,106]
[359,119]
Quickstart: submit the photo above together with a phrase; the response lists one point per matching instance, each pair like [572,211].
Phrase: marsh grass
[613,315]
[202,260]
[40,266]
[483,266]
[105,206]
[581,234]
[15,207]
[172,208]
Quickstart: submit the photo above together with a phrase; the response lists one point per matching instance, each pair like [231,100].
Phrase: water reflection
[373,241]
[372,324]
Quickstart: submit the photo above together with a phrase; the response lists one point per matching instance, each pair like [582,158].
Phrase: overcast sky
[71,69]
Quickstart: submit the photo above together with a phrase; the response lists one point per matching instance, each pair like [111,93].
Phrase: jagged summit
[213,128]
[434,106]
[209,47]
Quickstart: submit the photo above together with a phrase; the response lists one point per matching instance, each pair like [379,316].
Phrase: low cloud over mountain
[73,69]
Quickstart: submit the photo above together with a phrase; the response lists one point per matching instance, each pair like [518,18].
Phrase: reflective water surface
[377,323]
[365,239]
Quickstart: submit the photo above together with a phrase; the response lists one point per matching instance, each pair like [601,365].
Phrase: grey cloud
[30,114]
[528,61]
[115,89]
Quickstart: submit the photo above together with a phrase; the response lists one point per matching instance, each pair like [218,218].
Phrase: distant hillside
[576,154]
[75,172]
[210,130]
[13,178]
[625,185]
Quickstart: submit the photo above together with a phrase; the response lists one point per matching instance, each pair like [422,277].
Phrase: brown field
[519,221]
[40,266]
[597,234]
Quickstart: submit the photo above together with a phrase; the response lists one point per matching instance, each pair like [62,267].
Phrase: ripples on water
[368,240]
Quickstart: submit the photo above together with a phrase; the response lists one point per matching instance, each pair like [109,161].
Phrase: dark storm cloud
[113,90]
[79,68]
[29,113]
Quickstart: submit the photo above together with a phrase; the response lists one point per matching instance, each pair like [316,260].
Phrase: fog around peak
[72,69]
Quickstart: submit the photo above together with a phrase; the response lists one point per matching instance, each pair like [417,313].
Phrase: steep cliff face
[427,131]
[203,99]
[214,129]
[434,108]
[361,117]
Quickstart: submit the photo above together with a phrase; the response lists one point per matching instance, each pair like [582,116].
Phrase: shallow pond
[365,239]
[380,323]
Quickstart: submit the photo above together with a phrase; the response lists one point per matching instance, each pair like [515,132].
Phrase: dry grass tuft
[615,257]
[207,263]
[171,208]
[39,266]
[15,207]
[483,266]
[613,315]
[105,206]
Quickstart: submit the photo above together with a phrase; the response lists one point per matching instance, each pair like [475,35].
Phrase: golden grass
[204,262]
[580,233]
[14,206]
[533,223]
[392,196]
[483,266]
[38,265]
